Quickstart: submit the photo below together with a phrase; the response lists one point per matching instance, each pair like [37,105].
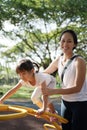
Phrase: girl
[25,69]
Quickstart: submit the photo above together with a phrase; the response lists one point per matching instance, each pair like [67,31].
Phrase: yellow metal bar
[24,111]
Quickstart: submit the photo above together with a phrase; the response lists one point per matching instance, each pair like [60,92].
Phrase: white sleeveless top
[68,79]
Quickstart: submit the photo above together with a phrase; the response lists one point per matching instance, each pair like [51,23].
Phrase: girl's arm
[10,92]
[80,66]
[45,100]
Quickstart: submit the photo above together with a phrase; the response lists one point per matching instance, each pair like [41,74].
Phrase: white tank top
[68,79]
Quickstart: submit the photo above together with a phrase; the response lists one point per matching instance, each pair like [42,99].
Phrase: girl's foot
[54,119]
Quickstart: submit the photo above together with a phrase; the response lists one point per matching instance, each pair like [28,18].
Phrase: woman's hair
[73,35]
[26,65]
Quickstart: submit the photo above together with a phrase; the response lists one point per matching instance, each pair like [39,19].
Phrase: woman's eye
[66,41]
[62,41]
[69,41]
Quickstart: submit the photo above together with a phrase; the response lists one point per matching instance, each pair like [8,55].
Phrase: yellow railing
[22,111]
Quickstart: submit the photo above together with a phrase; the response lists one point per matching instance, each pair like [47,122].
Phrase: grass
[22,93]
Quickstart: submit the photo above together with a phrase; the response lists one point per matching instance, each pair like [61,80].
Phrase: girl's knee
[34,99]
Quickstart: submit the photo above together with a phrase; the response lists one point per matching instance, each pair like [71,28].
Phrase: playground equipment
[21,111]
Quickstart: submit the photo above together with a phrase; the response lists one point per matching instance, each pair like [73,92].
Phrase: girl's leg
[39,104]
[51,107]
[35,97]
[52,85]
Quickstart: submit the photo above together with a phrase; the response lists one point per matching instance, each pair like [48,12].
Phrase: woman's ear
[74,46]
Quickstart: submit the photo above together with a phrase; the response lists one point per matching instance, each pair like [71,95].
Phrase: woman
[74,86]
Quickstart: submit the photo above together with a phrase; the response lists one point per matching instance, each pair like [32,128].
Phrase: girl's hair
[26,65]
[73,35]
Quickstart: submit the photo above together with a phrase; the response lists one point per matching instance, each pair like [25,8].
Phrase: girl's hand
[40,111]
[1,101]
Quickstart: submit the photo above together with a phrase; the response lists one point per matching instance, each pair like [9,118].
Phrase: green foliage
[36,43]
[22,93]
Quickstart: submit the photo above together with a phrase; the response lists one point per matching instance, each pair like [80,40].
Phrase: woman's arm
[52,67]
[10,92]
[77,85]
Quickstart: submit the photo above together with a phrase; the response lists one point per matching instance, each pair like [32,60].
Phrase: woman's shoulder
[79,60]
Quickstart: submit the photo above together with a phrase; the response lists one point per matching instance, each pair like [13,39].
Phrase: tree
[26,15]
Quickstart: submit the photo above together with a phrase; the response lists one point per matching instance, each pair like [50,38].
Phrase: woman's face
[67,43]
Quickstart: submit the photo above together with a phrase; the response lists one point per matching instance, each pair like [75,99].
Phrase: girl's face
[26,75]
[67,43]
